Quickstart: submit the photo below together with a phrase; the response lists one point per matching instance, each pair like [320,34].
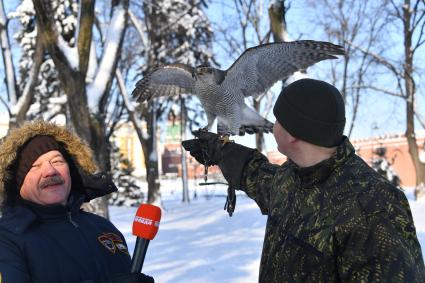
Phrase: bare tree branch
[25,99]
[115,116]
[398,14]
[378,58]
[372,87]
[84,33]
[421,40]
[105,73]
[139,28]
[137,123]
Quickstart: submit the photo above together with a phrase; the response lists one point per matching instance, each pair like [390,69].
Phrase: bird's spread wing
[168,80]
[258,68]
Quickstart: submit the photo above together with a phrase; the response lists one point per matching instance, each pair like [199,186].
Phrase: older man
[46,173]
[331,218]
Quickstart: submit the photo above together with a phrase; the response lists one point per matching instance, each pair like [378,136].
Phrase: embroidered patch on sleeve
[112,242]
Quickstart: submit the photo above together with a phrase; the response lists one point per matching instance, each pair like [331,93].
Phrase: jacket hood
[11,145]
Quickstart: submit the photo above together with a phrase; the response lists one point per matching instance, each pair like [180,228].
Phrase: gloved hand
[131,278]
[206,149]
[210,149]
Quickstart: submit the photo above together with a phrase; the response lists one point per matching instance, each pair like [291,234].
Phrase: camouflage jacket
[336,221]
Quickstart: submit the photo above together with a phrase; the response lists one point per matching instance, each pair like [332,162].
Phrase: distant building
[129,145]
[169,152]
[397,153]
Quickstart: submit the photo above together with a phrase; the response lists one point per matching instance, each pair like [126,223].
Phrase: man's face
[282,138]
[48,181]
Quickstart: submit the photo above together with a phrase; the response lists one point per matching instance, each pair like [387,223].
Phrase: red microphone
[145,227]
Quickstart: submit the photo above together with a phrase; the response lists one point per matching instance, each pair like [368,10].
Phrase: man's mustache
[54,180]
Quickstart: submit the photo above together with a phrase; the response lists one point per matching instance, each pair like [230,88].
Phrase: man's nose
[48,169]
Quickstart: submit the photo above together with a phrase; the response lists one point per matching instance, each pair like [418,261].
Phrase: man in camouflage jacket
[331,218]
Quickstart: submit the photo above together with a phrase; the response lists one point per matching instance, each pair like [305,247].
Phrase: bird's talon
[225,139]
[205,173]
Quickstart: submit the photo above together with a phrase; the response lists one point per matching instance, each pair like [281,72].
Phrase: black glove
[233,161]
[210,149]
[131,278]
[206,149]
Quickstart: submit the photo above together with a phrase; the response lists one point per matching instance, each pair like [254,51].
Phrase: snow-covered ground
[199,242]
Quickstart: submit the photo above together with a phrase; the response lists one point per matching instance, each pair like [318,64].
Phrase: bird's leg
[205,173]
[225,139]
[206,161]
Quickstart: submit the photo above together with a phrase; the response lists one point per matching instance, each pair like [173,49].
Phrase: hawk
[222,93]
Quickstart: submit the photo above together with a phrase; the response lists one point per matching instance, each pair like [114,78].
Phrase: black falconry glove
[211,149]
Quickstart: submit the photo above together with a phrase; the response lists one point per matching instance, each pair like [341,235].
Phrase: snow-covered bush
[129,193]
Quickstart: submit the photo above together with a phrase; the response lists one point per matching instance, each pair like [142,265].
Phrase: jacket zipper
[72,221]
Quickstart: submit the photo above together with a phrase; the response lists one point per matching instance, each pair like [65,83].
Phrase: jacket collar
[18,218]
[47,212]
[319,172]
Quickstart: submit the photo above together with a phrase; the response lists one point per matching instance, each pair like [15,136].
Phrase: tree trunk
[152,171]
[410,101]
[185,191]
[277,12]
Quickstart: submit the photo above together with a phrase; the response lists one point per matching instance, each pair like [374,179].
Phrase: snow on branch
[23,104]
[137,123]
[70,53]
[58,48]
[139,28]
[110,53]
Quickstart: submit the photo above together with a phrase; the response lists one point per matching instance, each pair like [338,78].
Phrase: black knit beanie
[30,152]
[312,111]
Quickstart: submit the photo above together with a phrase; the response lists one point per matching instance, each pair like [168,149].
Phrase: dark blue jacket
[58,244]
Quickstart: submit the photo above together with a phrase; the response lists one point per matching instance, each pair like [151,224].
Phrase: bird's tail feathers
[267,127]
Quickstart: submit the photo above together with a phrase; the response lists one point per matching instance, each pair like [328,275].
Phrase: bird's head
[208,73]
[203,70]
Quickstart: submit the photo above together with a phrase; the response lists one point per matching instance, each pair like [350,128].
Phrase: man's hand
[206,148]
[210,149]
